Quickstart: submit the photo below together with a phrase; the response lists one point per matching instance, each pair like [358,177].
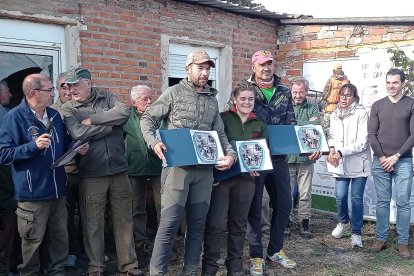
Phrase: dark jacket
[106,155]
[279,111]
[303,113]
[33,179]
[141,160]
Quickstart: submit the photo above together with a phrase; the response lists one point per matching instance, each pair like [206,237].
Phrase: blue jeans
[357,196]
[402,175]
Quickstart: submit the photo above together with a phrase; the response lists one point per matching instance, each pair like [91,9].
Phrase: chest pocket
[209,112]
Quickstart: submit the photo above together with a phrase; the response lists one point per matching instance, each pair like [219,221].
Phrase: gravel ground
[321,255]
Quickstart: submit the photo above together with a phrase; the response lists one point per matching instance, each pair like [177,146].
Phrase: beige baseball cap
[199,56]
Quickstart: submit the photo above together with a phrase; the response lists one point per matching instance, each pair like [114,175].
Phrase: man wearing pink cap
[273,106]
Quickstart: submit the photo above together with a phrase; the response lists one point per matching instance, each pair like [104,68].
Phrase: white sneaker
[257,266]
[356,240]
[340,229]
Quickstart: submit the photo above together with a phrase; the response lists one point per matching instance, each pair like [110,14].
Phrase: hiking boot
[340,229]
[378,246]
[403,251]
[280,258]
[190,270]
[356,241]
[131,272]
[305,231]
[288,229]
[257,266]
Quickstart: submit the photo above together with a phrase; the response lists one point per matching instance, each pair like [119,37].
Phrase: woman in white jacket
[349,149]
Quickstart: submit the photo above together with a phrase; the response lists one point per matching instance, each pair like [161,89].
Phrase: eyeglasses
[49,90]
[346,96]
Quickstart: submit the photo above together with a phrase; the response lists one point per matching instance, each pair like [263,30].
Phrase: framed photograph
[311,138]
[290,139]
[253,155]
[186,147]
[207,146]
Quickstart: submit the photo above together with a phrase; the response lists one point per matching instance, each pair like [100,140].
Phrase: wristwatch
[398,155]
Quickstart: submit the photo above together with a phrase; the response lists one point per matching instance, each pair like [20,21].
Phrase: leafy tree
[244,3]
[401,61]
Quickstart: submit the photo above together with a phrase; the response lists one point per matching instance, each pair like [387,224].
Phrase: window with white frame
[177,55]
[27,47]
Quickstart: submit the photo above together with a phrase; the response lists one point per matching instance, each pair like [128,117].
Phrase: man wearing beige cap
[189,104]
[98,116]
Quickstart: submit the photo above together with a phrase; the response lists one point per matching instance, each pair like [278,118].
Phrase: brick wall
[121,42]
[298,44]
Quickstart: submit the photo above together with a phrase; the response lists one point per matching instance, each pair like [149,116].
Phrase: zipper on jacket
[54,182]
[29,180]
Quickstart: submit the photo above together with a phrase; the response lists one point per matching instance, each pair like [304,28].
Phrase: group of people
[389,131]
[122,154]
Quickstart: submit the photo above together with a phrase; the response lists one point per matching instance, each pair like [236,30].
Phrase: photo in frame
[290,139]
[186,147]
[207,146]
[311,138]
[253,155]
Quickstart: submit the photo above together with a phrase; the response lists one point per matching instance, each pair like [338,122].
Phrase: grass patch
[320,249]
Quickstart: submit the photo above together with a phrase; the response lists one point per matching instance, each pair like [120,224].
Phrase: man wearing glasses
[99,116]
[32,137]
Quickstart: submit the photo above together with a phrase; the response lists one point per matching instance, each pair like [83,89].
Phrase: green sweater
[235,130]
[141,160]
[303,113]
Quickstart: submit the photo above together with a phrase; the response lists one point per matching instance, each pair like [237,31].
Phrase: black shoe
[305,231]
[288,229]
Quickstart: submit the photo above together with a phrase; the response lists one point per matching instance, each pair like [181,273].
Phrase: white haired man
[144,168]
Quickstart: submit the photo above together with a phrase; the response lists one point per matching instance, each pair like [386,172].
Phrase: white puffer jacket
[350,136]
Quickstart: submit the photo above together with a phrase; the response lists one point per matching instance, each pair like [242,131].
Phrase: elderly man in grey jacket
[98,117]
[189,104]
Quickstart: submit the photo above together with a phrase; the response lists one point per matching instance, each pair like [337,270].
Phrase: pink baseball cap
[262,56]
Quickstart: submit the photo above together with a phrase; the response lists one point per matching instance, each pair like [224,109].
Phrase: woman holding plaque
[231,199]
[350,156]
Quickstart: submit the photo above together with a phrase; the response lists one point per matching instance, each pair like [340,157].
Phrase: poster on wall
[367,72]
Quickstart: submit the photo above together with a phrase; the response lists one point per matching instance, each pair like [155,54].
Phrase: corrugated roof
[257,12]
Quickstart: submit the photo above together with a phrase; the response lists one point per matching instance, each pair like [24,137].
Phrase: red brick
[311,29]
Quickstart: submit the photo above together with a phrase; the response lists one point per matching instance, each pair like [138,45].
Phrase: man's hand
[84,149]
[159,150]
[316,155]
[43,141]
[254,174]
[224,163]
[86,121]
[387,163]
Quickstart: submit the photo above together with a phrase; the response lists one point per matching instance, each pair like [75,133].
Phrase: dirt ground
[322,255]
